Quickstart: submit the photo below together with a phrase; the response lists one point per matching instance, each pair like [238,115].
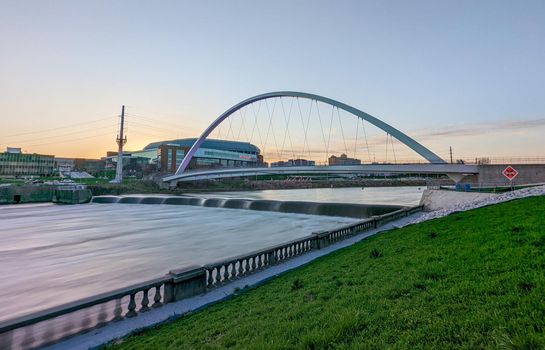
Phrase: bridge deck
[211,174]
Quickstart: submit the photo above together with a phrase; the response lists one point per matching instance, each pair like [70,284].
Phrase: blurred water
[403,195]
[52,254]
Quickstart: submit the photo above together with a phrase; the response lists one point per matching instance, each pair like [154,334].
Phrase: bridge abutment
[491,175]
[456,177]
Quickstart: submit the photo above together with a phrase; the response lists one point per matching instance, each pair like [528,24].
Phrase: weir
[360,211]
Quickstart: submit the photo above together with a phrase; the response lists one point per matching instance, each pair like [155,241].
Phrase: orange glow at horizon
[521,143]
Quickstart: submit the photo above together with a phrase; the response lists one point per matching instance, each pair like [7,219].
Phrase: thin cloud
[376,146]
[479,129]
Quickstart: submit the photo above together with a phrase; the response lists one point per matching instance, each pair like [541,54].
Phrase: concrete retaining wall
[76,196]
[14,194]
[26,194]
[491,175]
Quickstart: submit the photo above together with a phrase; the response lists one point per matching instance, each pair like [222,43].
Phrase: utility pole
[450,154]
[121,140]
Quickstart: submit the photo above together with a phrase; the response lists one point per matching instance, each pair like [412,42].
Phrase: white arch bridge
[454,171]
[436,164]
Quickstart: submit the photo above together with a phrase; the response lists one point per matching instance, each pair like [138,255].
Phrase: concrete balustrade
[54,324]
[185,283]
[224,271]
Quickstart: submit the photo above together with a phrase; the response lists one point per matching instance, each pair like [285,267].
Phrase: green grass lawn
[471,280]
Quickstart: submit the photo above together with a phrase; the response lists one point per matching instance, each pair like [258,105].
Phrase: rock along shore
[504,197]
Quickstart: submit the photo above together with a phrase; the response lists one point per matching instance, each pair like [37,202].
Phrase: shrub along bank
[470,280]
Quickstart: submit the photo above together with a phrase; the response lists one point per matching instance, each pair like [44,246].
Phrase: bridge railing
[60,322]
[52,325]
[411,161]
[225,271]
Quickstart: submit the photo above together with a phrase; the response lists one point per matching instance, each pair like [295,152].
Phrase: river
[52,254]
[402,195]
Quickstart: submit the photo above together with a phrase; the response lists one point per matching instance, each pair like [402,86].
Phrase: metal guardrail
[54,324]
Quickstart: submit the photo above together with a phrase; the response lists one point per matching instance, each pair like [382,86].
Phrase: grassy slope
[473,280]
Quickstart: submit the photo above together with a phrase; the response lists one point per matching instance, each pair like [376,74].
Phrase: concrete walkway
[172,311]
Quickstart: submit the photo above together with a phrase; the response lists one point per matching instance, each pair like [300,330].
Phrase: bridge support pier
[456,177]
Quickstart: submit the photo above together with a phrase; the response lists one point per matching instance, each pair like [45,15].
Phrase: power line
[142,125]
[146,119]
[57,128]
[65,141]
[60,135]
[148,134]
[154,120]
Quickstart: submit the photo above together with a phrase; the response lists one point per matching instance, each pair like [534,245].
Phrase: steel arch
[407,140]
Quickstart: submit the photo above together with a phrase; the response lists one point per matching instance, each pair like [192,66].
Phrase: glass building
[212,154]
[167,155]
[16,163]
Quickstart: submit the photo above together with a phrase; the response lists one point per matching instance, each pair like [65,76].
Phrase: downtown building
[15,163]
[293,162]
[343,159]
[166,156]
[67,166]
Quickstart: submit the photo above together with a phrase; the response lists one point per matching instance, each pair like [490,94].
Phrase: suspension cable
[255,122]
[271,114]
[303,123]
[287,131]
[219,130]
[330,128]
[393,149]
[306,131]
[231,128]
[321,128]
[342,131]
[366,142]
[264,144]
[356,141]
[289,135]
[242,125]
[386,161]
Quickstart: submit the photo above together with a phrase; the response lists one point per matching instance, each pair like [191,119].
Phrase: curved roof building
[223,145]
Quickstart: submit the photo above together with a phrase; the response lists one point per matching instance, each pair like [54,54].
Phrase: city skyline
[417,66]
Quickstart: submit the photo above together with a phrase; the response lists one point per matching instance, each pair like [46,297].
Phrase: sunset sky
[466,74]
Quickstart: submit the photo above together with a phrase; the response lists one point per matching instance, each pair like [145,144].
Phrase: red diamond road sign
[510,173]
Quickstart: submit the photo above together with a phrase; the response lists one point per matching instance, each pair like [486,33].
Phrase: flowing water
[403,195]
[52,254]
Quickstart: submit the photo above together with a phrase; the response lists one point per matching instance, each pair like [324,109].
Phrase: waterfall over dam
[298,207]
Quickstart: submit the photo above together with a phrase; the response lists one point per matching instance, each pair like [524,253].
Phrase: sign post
[510,173]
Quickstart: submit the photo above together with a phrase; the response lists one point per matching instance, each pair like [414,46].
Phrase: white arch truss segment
[402,137]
